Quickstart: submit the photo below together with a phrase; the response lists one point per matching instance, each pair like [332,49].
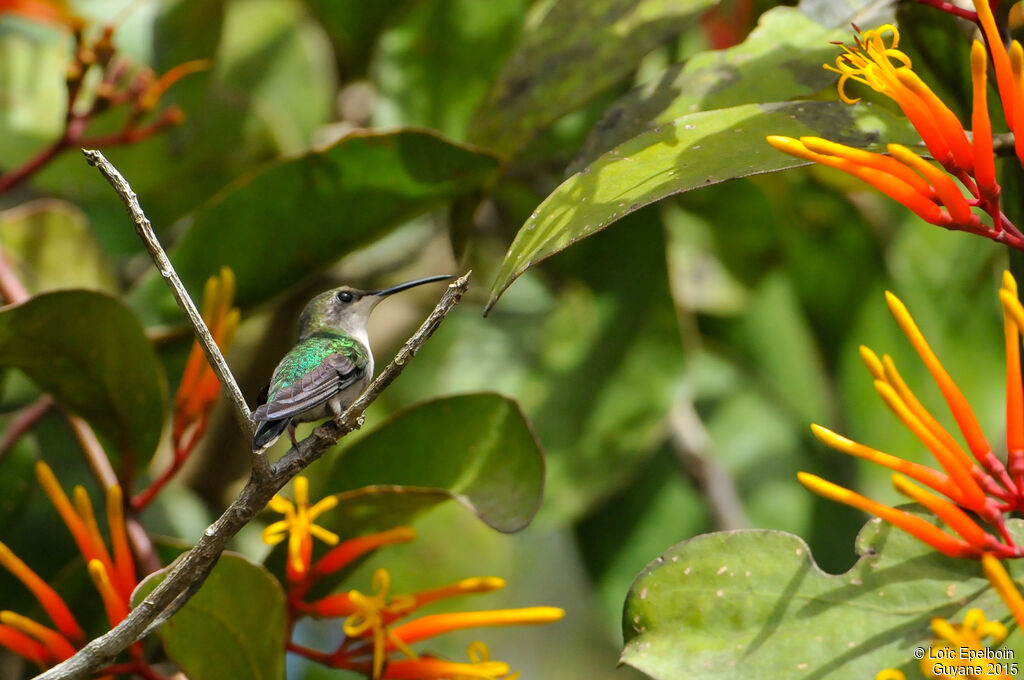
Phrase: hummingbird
[330,365]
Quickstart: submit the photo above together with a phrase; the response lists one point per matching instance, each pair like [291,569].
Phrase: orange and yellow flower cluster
[930,191]
[979,482]
[199,387]
[375,643]
[112,571]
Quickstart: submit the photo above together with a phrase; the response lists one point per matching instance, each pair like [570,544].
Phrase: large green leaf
[50,245]
[572,50]
[691,152]
[476,448]
[753,604]
[294,217]
[781,59]
[234,627]
[88,350]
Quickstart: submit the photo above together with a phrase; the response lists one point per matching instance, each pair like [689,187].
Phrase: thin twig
[94,453]
[213,354]
[190,570]
[692,446]
[24,422]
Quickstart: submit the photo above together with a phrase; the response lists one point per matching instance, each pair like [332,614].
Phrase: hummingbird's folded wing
[335,373]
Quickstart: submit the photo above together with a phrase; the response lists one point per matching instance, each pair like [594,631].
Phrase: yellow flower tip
[480,584]
[301,488]
[821,145]
[871,361]
[542,615]
[890,674]
[401,534]
[83,504]
[786,144]
[47,480]
[898,309]
[115,499]
[979,59]
[1001,582]
[1009,283]
[274,533]
[322,506]
[830,438]
[281,505]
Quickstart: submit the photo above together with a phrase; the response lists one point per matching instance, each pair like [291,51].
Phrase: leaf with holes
[746,604]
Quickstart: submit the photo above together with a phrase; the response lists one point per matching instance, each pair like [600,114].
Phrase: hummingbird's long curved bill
[411,284]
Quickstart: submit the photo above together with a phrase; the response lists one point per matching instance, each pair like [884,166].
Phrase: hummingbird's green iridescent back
[308,355]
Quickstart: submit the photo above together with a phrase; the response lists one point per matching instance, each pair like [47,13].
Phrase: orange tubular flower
[438,624]
[913,525]
[431,668]
[980,481]
[345,553]
[981,126]
[199,385]
[114,577]
[876,61]
[897,185]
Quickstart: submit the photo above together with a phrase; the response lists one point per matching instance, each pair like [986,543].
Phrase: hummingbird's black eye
[344,296]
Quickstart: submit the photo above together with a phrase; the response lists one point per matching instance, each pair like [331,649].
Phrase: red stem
[950,8]
[11,179]
[182,451]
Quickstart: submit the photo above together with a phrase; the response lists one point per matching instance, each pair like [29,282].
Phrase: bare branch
[188,572]
[213,354]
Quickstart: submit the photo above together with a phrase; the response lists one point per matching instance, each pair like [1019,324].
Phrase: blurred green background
[670,366]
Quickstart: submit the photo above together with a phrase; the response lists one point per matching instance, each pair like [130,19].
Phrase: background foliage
[370,142]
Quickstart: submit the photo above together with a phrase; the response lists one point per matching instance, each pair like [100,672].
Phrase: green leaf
[754,604]
[88,350]
[781,59]
[289,219]
[692,152]
[234,627]
[49,245]
[435,66]
[476,448]
[571,51]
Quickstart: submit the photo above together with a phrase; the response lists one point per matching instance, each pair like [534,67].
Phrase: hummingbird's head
[347,309]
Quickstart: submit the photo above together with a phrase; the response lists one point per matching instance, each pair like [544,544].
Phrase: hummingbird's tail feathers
[267,433]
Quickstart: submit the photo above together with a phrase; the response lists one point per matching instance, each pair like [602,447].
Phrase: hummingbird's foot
[291,434]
